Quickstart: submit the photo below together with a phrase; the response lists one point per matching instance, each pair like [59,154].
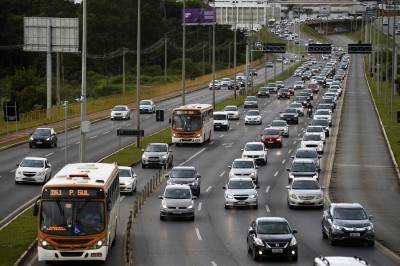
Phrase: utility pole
[58,100]
[234,53]
[138,40]
[213,56]
[48,70]
[66,131]
[166,57]
[123,71]
[184,53]
[387,65]
[247,65]
[83,88]
[394,65]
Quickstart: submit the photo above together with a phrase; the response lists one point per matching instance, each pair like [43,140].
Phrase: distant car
[325,106]
[147,106]
[347,221]
[253,117]
[271,236]
[304,93]
[322,123]
[280,84]
[226,83]
[283,94]
[250,102]
[298,107]
[216,85]
[177,201]
[299,85]
[301,99]
[120,112]
[157,154]
[43,136]
[282,126]
[263,92]
[322,114]
[269,65]
[232,111]
[244,168]
[290,115]
[317,130]
[241,191]
[339,261]
[305,192]
[127,179]
[291,90]
[308,153]
[303,168]
[221,121]
[271,137]
[186,175]
[272,89]
[33,170]
[311,140]
[256,151]
[253,72]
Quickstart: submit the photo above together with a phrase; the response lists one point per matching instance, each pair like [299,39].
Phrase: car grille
[176,208]
[29,174]
[276,244]
[241,197]
[311,145]
[306,197]
[243,174]
[288,116]
[154,158]
[252,156]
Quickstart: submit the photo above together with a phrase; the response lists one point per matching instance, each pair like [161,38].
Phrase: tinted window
[145,103]
[253,113]
[124,173]
[32,163]
[278,124]
[251,98]
[306,154]
[119,108]
[303,167]
[349,214]
[291,111]
[315,129]
[177,193]
[270,131]
[156,148]
[278,228]
[243,164]
[220,117]
[254,147]
[240,184]
[42,132]
[322,112]
[182,173]
[315,137]
[305,184]
[230,108]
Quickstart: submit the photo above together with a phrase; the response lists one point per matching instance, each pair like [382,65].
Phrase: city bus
[192,123]
[78,213]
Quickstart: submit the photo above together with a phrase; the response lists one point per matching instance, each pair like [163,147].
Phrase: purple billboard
[199,16]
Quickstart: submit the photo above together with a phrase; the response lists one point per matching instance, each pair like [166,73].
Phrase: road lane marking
[276,173]
[77,142]
[221,136]
[212,142]
[208,189]
[198,234]
[267,190]
[294,142]
[106,132]
[213,263]
[92,137]
[267,208]
[221,174]
[12,171]
[191,157]
[289,151]
[364,165]
[121,198]
[284,161]
[50,154]
[227,145]
[199,208]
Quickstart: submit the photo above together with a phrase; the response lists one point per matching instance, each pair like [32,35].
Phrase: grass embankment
[311,33]
[267,37]
[384,40]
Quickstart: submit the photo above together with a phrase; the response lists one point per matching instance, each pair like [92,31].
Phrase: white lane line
[284,161]
[276,173]
[208,189]
[267,190]
[221,136]
[294,142]
[267,208]
[12,171]
[50,154]
[237,123]
[121,198]
[191,157]
[199,208]
[213,263]
[77,142]
[198,234]
[289,151]
[221,174]
[106,132]
[92,137]
[212,142]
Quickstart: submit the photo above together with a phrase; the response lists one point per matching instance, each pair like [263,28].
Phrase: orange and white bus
[192,123]
[78,211]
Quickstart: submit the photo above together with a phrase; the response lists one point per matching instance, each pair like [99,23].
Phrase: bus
[78,213]
[192,123]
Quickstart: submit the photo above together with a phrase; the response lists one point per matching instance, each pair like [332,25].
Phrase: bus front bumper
[187,140]
[65,255]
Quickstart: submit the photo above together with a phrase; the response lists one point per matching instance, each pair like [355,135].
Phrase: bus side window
[210,114]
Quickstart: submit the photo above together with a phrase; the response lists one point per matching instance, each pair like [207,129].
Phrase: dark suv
[185,175]
[43,137]
[347,221]
[271,236]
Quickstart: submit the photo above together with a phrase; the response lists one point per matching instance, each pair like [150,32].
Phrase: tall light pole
[184,52]
[394,64]
[65,104]
[234,49]
[83,87]
[213,56]
[138,51]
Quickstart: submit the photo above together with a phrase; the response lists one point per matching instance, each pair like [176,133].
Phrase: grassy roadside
[311,33]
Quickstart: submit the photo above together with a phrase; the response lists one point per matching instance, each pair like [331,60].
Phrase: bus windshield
[72,217]
[187,123]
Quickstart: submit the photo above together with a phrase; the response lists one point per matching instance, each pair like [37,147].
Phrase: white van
[221,120]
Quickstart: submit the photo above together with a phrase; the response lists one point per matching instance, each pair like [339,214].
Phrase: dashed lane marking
[284,161]
[77,142]
[289,151]
[199,207]
[121,198]
[12,171]
[212,142]
[208,189]
[213,263]
[267,208]
[50,154]
[193,156]
[294,142]
[276,173]
[198,234]
[221,136]
[106,132]
[92,137]
[267,190]
[221,174]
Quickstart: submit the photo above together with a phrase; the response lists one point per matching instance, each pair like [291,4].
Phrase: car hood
[116,112]
[31,169]
[276,238]
[288,114]
[178,202]
[232,112]
[310,142]
[220,121]
[242,171]
[271,136]
[241,191]
[154,154]
[40,137]
[253,152]
[280,128]
[253,116]
[181,180]
[125,179]
[145,106]
[250,101]
[353,223]
[306,192]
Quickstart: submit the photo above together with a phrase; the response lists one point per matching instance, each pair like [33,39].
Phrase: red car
[271,137]
[314,87]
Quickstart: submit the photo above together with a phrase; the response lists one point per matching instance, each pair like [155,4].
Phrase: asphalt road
[363,170]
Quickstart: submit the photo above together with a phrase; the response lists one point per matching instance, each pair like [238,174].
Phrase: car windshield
[349,214]
[271,131]
[322,112]
[315,129]
[318,122]
[72,218]
[240,184]
[284,90]
[305,184]
[296,105]
[124,173]
[177,193]
[315,137]
[324,106]
[32,163]
[278,124]
[42,132]
[291,111]
[303,167]
[251,98]
[253,113]
[327,100]
[145,103]
[182,173]
[230,108]
[263,89]
[156,148]
[220,117]
[187,123]
[119,108]
[254,147]
[243,164]
[300,98]
[273,228]
[306,154]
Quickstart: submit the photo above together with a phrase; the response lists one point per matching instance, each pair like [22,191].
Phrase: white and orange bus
[192,123]
[78,211]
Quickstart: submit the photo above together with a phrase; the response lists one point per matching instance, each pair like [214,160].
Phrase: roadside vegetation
[311,33]
[267,37]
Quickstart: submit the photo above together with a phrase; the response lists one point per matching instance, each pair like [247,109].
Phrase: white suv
[33,169]
[256,151]
[221,121]
[339,261]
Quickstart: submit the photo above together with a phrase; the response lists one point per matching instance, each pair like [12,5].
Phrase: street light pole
[394,64]
[83,87]
[213,57]
[138,51]
[66,131]
[234,53]
[184,53]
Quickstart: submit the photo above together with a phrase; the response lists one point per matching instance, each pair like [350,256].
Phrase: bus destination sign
[72,192]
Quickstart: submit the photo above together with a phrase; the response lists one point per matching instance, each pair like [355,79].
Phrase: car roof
[347,205]
[120,106]
[341,261]
[255,142]
[304,179]
[278,120]
[220,113]
[157,143]
[271,219]
[124,167]
[306,149]
[231,106]
[35,158]
[49,128]
[303,160]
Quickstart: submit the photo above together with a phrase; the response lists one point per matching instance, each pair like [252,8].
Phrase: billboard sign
[199,16]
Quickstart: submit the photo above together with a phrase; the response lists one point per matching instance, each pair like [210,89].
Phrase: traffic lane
[363,168]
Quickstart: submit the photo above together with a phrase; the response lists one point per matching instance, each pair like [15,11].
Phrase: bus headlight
[198,135]
[100,243]
[45,245]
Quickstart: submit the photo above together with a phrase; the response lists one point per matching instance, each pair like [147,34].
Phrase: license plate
[177,212]
[277,250]
[354,234]
[38,142]
[241,202]
[270,142]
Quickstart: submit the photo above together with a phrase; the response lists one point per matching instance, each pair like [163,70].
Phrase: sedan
[177,201]
[283,93]
[313,141]
[317,130]
[43,136]
[271,137]
[303,168]
[263,92]
[33,169]
[253,117]
[322,123]
[127,179]
[232,111]
[290,115]
[323,114]
[298,107]
[158,154]
[244,168]
[305,192]
[250,102]
[120,112]
[241,191]
[186,175]
[308,153]
[256,151]
[147,106]
[282,126]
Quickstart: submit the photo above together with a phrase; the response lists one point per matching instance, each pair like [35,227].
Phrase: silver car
[157,154]
[147,106]
[250,102]
[282,126]
[305,192]
[177,201]
[241,191]
[244,168]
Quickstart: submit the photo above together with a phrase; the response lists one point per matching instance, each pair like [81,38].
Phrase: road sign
[159,115]
[129,132]
[314,48]
[11,111]
[362,48]
[371,12]
[275,48]
[199,16]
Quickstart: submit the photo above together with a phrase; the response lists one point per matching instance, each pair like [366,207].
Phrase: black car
[43,137]
[271,236]
[263,92]
[347,222]
[290,115]
[185,175]
[283,93]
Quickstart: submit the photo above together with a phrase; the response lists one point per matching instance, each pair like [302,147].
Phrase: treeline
[111,26]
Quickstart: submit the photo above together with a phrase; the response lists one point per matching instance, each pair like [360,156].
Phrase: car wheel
[289,206]
[324,235]
[17,182]
[293,258]
[254,254]
[143,165]
[30,145]
[331,241]
[161,218]
[255,207]
[55,144]
[248,247]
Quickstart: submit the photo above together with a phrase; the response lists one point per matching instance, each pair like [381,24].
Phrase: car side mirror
[198,176]
[287,187]
[294,231]
[17,164]
[224,187]
[252,231]
[160,197]
[194,197]
[371,217]
[256,166]
[229,166]
[36,208]
[242,149]
[288,169]
[257,186]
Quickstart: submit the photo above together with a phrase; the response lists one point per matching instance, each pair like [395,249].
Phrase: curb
[27,253]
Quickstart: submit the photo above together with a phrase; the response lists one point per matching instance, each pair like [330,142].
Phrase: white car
[127,179]
[298,106]
[253,117]
[339,261]
[221,121]
[313,141]
[282,126]
[244,168]
[299,85]
[217,84]
[257,151]
[232,111]
[147,106]
[323,114]
[120,112]
[332,94]
[316,130]
[241,191]
[33,169]
[226,83]
[305,192]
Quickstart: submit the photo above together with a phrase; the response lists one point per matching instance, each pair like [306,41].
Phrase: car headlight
[41,173]
[44,244]
[337,227]
[100,243]
[164,206]
[253,196]
[198,135]
[293,196]
[190,206]
[48,138]
[291,176]
[293,242]
[370,227]
[252,174]
[165,156]
[144,156]
[315,176]
[31,138]
[229,196]
[279,139]
[319,196]
[258,241]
